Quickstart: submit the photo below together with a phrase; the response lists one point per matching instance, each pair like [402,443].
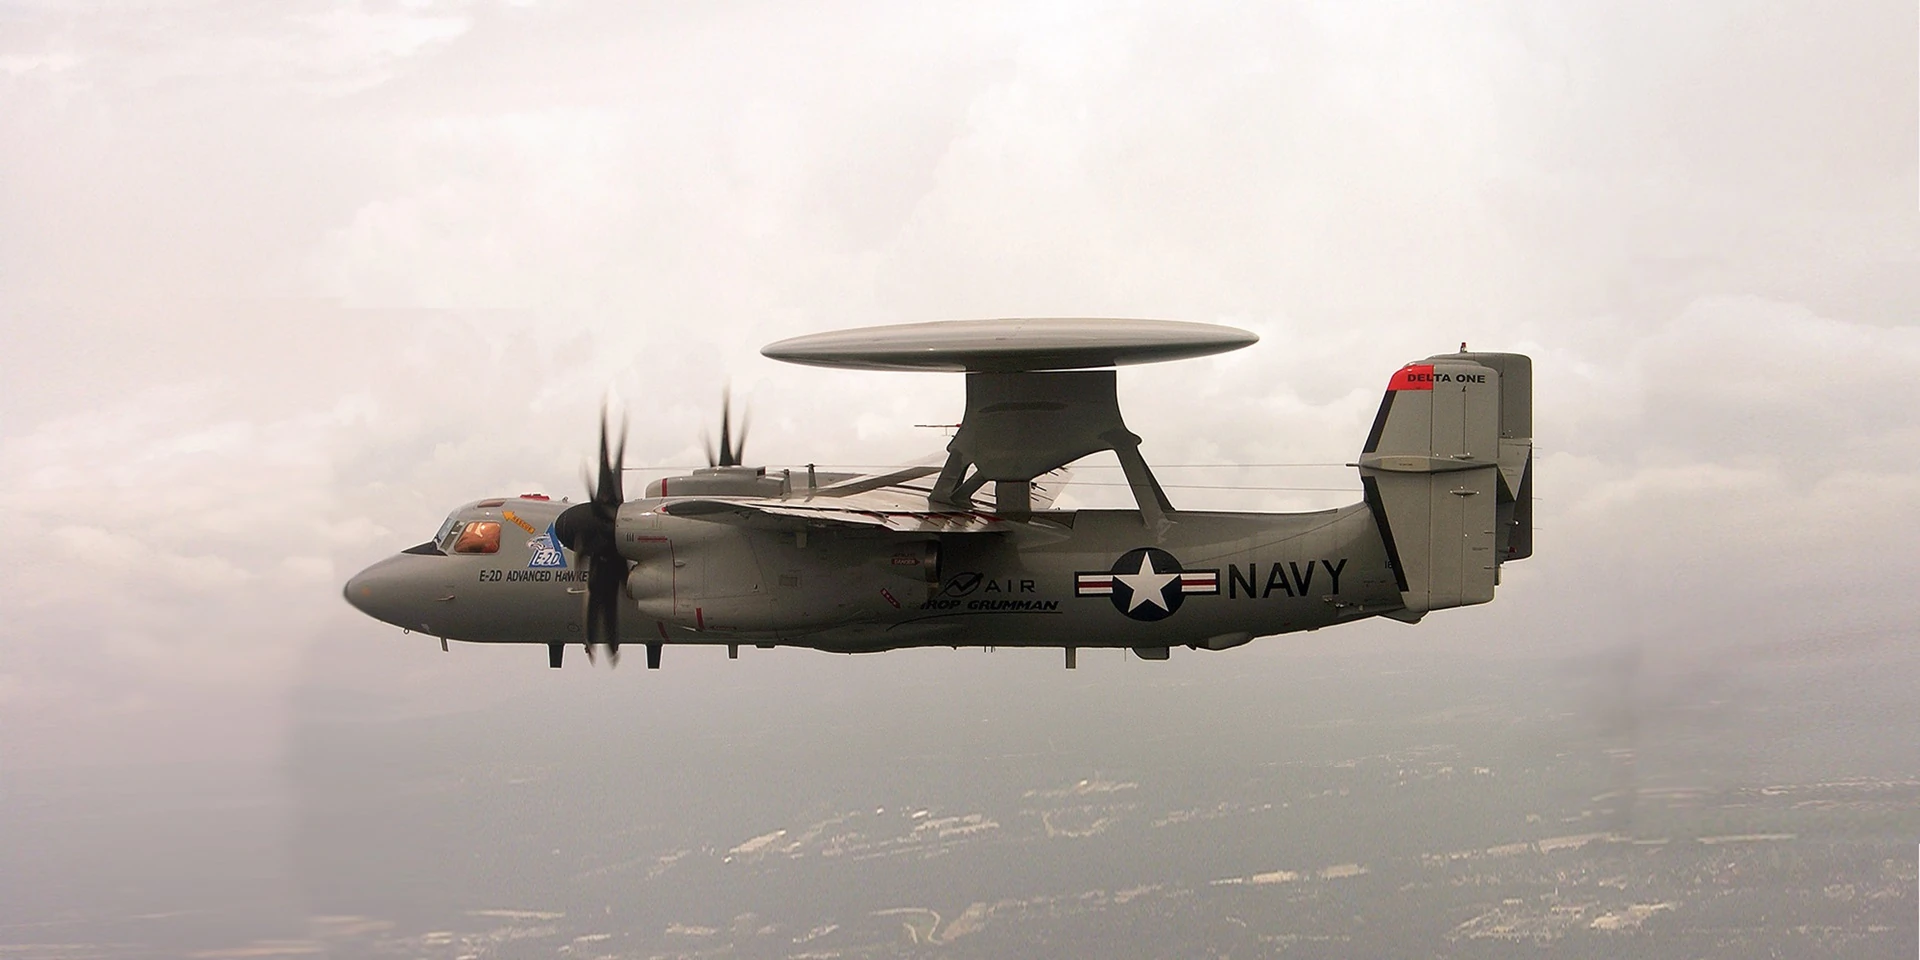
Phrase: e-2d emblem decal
[1147,583]
[546,552]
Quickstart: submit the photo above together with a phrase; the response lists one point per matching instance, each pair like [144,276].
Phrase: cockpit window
[448,532]
[480,536]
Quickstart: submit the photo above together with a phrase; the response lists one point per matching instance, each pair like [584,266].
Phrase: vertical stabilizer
[1446,475]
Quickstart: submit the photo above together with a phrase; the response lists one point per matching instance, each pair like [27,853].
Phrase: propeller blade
[619,495]
[606,581]
[732,449]
[609,493]
[588,529]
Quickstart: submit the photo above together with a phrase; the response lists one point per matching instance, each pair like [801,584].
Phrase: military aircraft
[930,555]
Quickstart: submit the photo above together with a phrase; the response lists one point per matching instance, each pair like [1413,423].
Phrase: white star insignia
[1148,585]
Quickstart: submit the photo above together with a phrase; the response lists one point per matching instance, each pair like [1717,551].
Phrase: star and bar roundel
[1147,583]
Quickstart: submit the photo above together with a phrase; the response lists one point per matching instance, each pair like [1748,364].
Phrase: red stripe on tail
[1413,376]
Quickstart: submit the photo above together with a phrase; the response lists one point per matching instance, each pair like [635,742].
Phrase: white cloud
[282,283]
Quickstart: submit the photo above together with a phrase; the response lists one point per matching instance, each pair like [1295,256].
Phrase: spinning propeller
[588,530]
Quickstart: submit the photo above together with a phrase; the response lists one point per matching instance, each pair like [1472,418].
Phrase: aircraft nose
[392,590]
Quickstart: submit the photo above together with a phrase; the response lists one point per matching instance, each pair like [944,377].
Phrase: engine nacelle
[727,578]
[721,482]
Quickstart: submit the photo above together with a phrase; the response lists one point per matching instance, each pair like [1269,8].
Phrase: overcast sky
[281,283]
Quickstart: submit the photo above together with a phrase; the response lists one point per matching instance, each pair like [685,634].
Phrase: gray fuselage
[1090,578]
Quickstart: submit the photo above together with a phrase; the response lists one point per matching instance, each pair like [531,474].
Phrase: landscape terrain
[1319,799]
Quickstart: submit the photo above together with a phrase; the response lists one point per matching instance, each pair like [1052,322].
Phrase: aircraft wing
[911,486]
[896,500]
[794,514]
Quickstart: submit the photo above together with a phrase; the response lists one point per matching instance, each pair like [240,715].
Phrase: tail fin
[1447,472]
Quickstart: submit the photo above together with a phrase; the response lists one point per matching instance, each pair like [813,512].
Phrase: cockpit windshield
[468,536]
[449,530]
[478,536]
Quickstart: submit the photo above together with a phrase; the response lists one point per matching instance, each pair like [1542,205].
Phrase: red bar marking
[1413,376]
[699,619]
